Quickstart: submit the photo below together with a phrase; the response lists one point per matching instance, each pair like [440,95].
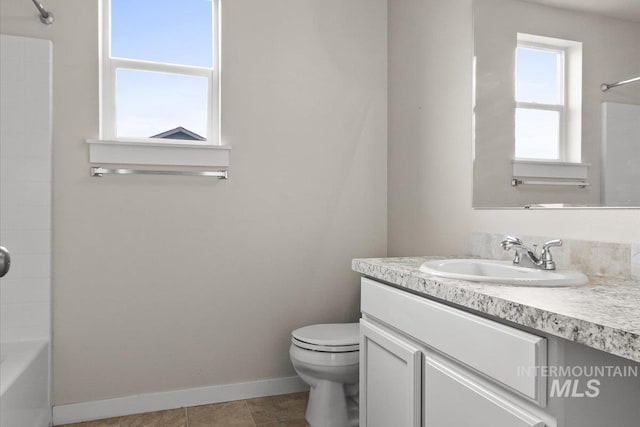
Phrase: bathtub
[24,384]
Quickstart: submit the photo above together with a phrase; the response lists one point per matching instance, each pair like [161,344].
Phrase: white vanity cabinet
[423,363]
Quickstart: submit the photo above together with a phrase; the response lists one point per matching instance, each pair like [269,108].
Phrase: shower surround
[25,230]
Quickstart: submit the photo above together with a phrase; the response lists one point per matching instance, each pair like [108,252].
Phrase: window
[548,108]
[541,117]
[159,73]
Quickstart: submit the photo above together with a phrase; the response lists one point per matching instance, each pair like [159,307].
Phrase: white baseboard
[122,406]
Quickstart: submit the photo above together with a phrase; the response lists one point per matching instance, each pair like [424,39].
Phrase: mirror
[556,103]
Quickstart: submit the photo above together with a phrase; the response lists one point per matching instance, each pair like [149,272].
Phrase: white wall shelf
[549,169]
[158,153]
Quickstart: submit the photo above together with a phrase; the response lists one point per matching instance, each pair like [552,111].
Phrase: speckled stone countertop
[604,314]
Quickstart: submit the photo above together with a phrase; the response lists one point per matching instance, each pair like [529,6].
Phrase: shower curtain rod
[606,86]
[46,17]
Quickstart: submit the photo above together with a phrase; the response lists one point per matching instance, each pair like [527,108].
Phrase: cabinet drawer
[450,399]
[505,354]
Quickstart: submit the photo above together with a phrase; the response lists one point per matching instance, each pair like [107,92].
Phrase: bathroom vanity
[439,352]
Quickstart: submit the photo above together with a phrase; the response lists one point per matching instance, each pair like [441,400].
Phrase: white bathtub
[24,384]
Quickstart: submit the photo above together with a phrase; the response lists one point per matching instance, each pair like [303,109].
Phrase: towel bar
[582,184]
[98,172]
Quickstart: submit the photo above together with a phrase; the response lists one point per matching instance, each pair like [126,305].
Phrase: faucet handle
[510,241]
[513,239]
[551,244]
[546,256]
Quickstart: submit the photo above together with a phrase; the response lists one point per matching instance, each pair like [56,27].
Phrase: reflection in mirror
[547,132]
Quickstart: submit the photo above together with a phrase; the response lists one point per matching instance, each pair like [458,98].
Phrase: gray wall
[165,283]
[430,170]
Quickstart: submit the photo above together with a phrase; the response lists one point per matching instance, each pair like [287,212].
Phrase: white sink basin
[501,272]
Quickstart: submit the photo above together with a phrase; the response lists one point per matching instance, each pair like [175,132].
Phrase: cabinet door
[454,400]
[390,379]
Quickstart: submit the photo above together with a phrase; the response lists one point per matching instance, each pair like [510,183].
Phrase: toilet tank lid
[329,334]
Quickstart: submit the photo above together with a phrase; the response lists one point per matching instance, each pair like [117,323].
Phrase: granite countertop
[604,314]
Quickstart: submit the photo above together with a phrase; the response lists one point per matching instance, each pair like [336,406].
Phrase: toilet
[326,357]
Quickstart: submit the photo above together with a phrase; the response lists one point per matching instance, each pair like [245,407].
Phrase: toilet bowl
[326,357]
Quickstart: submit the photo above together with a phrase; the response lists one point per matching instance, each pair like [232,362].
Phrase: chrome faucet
[528,257]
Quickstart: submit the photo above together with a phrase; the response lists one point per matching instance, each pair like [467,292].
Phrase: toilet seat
[322,360]
[329,338]
[325,348]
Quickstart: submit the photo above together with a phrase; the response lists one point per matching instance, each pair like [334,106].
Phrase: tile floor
[274,411]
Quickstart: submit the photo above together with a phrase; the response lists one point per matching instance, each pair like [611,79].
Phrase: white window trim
[549,169]
[108,148]
[174,153]
[563,148]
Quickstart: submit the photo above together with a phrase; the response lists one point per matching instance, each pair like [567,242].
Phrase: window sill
[158,153]
[549,169]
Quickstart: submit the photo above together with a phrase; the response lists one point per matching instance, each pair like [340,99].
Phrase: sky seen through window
[170,31]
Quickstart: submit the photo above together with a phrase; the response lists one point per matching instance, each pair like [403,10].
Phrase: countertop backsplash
[592,258]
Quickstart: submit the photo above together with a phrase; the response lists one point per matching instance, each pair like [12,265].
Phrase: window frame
[561,108]
[109,66]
